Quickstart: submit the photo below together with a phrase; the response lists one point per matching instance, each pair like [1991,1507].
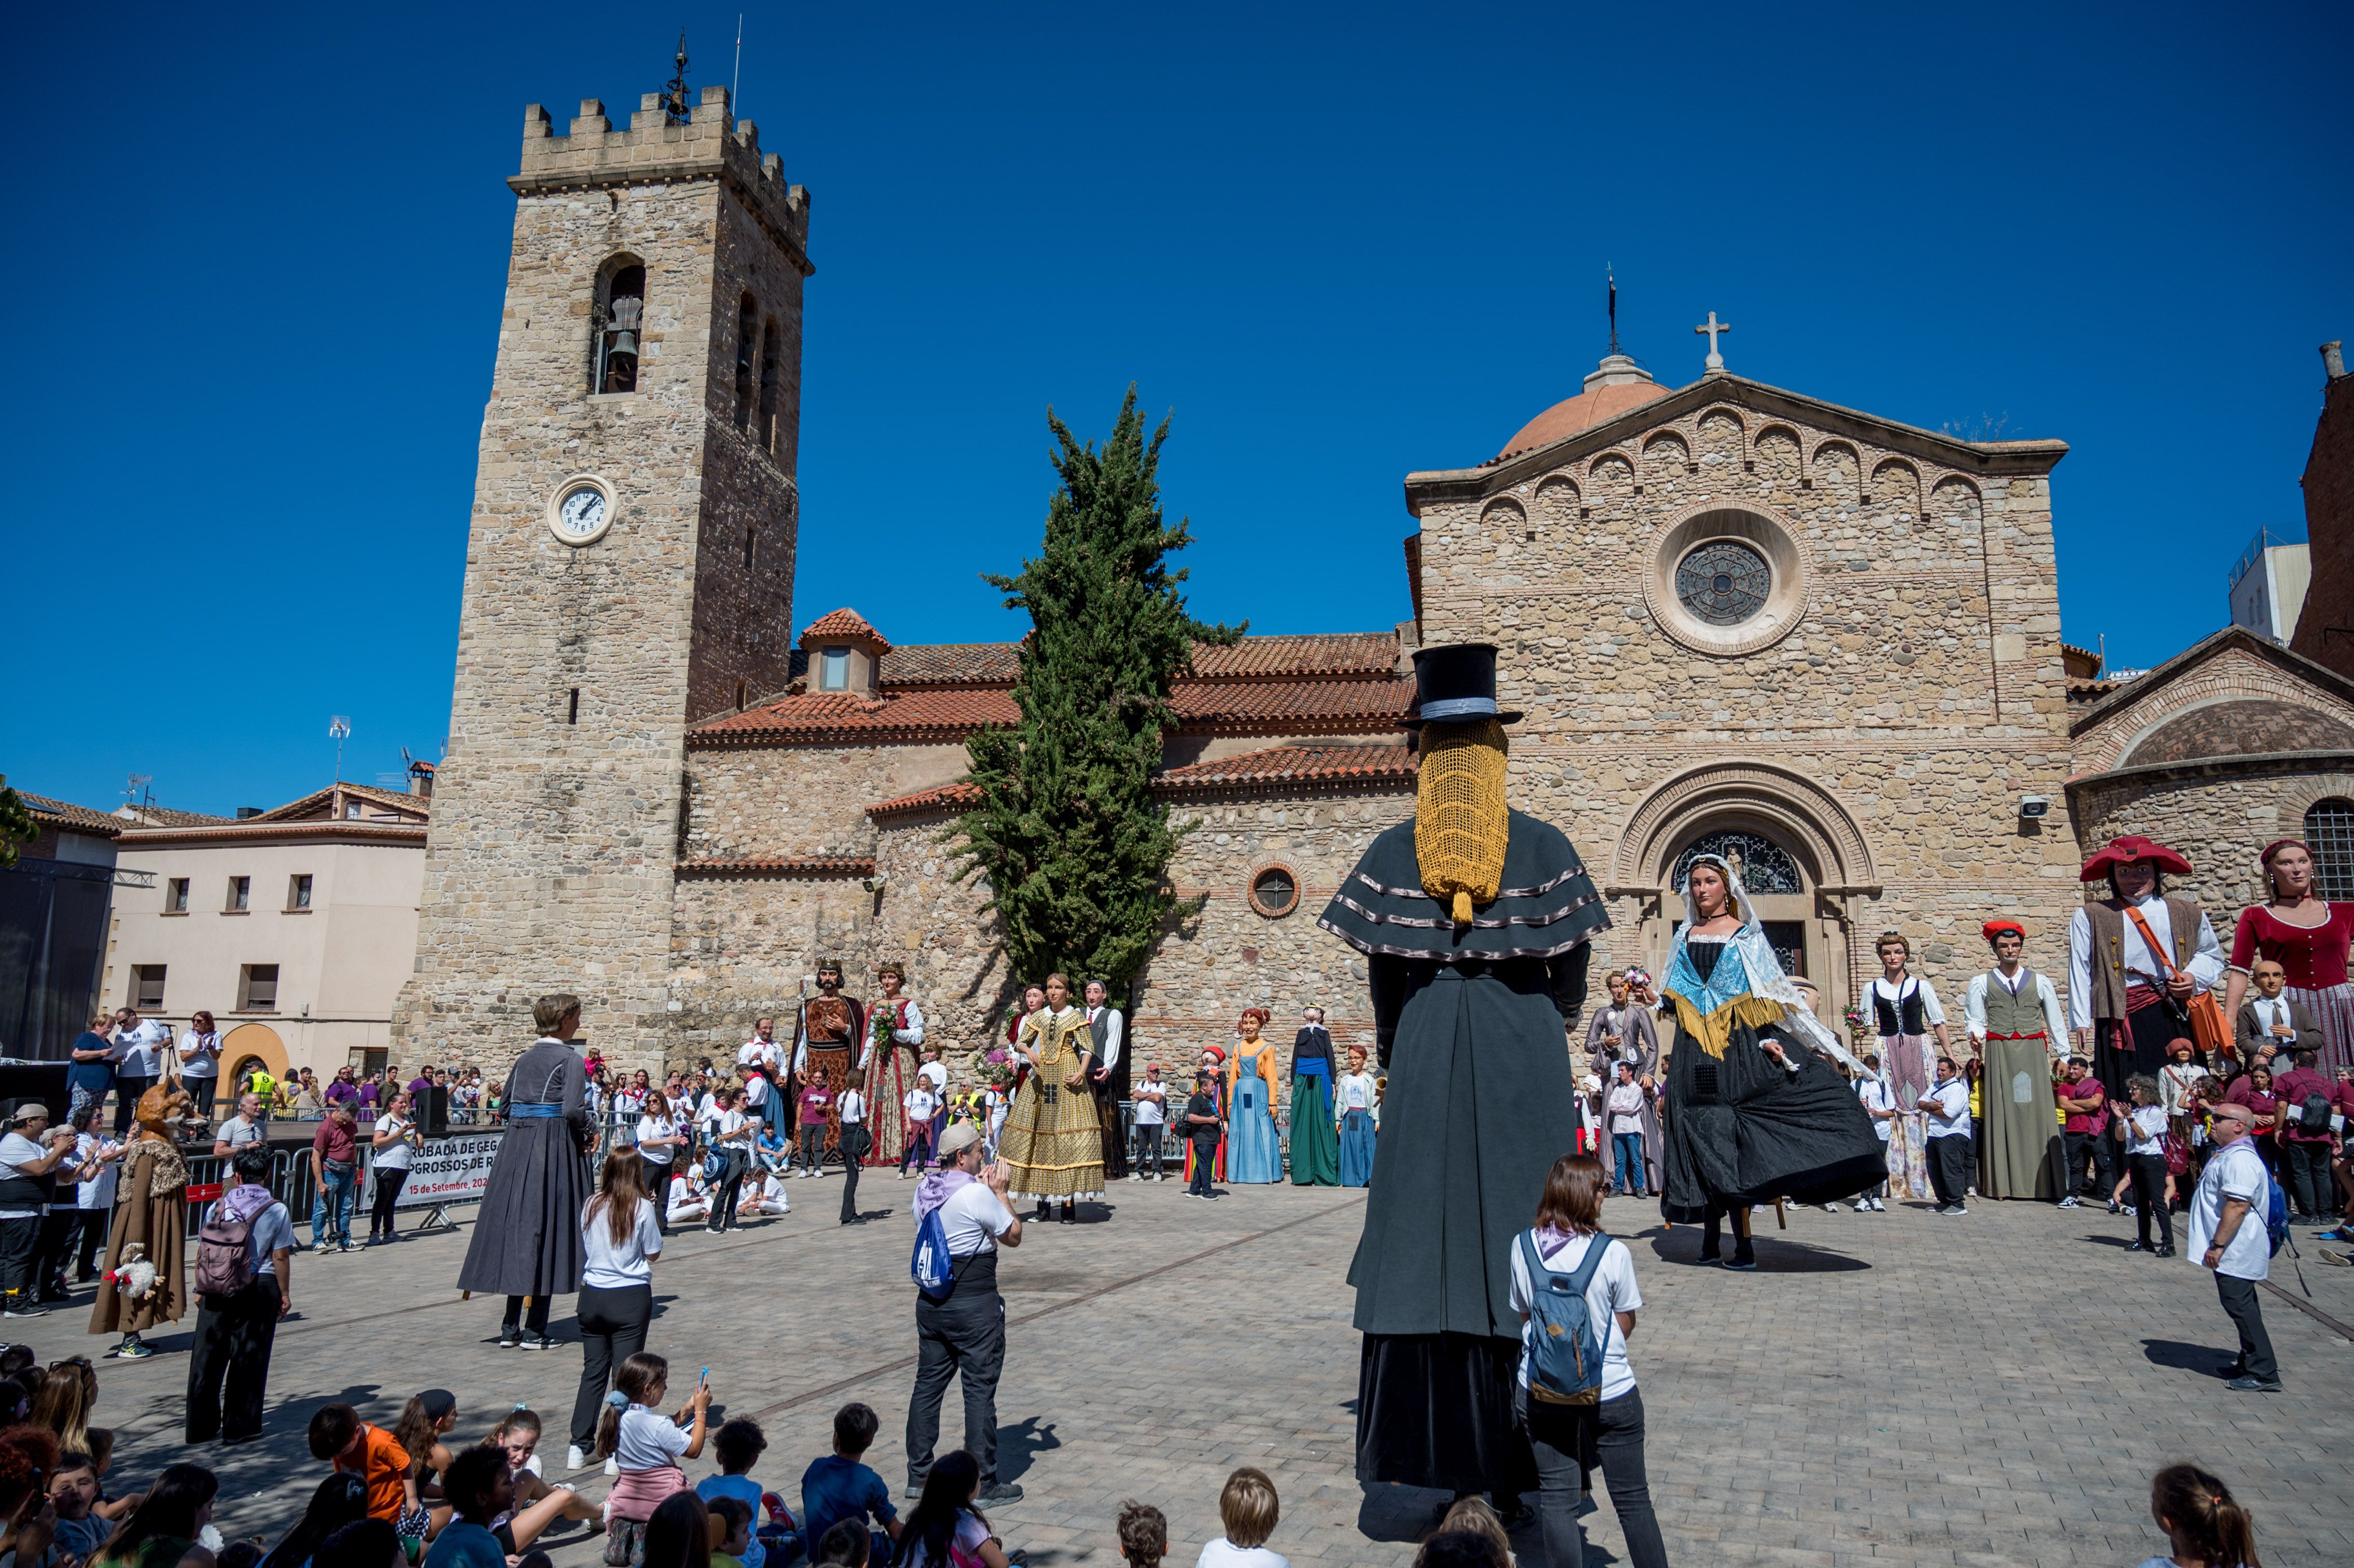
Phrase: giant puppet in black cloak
[1474,921]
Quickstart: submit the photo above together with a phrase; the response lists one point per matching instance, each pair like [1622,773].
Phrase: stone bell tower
[629,569]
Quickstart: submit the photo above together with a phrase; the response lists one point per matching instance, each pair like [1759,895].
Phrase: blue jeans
[338,1189]
[1629,1149]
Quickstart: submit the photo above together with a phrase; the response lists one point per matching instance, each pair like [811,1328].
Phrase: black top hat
[1455,684]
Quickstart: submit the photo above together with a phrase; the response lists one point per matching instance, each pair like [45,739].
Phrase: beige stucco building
[294,927]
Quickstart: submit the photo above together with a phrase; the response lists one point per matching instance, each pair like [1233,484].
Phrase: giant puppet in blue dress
[1756,1108]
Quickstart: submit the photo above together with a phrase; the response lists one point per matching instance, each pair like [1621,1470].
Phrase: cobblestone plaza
[1899,1388]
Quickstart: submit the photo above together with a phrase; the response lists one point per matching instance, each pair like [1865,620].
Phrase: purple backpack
[223,1246]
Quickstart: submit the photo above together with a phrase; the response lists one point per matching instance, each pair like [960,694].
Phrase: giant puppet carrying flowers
[1474,920]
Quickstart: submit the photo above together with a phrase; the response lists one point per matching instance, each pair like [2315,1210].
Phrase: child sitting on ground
[738,1444]
[476,1485]
[688,1199]
[73,1488]
[945,1531]
[536,1506]
[1250,1510]
[377,1458]
[838,1486]
[846,1545]
[731,1523]
[1143,1535]
[647,1447]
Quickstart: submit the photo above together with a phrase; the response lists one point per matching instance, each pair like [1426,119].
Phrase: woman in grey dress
[526,1240]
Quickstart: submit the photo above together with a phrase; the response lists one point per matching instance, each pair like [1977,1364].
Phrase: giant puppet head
[1461,823]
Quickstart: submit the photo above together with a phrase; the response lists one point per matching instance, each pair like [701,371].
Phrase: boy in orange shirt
[375,1456]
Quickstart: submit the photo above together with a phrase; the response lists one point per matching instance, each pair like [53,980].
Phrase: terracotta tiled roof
[166,817]
[73,819]
[1296,764]
[321,802]
[844,622]
[1325,708]
[2090,691]
[776,865]
[936,714]
[940,797]
[1369,654]
[1582,412]
[952,664]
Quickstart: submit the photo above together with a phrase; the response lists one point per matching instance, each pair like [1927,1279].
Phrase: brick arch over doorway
[249,1042]
[1834,858]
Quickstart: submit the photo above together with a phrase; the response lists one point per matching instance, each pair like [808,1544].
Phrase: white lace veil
[1764,970]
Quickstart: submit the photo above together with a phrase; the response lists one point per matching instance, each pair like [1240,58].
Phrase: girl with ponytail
[2204,1524]
[646,1447]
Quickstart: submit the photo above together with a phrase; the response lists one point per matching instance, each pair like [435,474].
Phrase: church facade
[1737,618]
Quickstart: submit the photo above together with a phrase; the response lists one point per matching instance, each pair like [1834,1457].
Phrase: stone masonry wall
[799,800]
[2218,817]
[549,862]
[1916,692]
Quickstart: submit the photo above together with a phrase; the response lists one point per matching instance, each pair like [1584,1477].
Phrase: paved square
[1897,1388]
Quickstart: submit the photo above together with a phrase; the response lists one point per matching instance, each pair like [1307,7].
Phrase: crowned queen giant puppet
[1756,1109]
[1474,920]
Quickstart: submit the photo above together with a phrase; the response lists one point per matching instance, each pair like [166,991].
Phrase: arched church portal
[1801,858]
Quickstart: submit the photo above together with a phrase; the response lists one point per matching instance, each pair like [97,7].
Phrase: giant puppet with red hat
[2143,965]
[2012,1014]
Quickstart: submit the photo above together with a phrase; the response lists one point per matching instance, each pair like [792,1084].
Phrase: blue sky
[260,255]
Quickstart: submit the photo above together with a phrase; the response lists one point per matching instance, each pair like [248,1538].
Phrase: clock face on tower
[581,509]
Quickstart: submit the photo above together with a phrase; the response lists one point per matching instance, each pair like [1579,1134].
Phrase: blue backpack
[1564,1362]
[2276,1212]
[930,1267]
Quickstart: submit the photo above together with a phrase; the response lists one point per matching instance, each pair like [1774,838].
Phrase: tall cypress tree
[1074,847]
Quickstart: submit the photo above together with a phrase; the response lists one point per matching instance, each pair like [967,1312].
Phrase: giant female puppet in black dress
[1474,921]
[1756,1109]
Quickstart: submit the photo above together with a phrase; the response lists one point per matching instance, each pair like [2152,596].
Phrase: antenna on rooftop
[339,729]
[674,112]
[135,792]
[1613,276]
[736,85]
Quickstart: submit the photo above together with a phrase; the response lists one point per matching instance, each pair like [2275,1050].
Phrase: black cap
[1456,683]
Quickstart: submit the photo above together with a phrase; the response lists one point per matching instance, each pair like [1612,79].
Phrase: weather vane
[674,94]
[1613,275]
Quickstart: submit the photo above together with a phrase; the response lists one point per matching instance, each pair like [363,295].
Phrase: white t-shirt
[1148,1112]
[1611,1290]
[1952,1118]
[1224,1553]
[655,1127]
[2143,1131]
[765,1053]
[853,1106]
[936,1073]
[199,1054]
[2237,1171]
[608,1266]
[648,1440]
[393,1156]
[17,1150]
[98,1193]
[1357,1092]
[726,1122]
[1625,1106]
[972,1219]
[1878,1096]
[921,1102]
[754,1097]
[141,1049]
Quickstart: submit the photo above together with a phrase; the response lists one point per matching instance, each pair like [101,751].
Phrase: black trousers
[60,1229]
[536,1325]
[201,1091]
[387,1192]
[2240,1304]
[229,1369]
[850,1188]
[812,1146]
[1947,1160]
[658,1184]
[2148,1173]
[731,1187]
[2304,1172]
[89,1240]
[127,1090]
[2077,1146]
[963,1338]
[20,1241]
[613,1321]
[1148,1146]
[1612,1432]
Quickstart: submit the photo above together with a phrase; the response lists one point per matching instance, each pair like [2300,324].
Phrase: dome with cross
[1616,385]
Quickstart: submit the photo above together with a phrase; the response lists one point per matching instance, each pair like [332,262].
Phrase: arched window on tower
[2329,830]
[747,329]
[619,320]
[769,378]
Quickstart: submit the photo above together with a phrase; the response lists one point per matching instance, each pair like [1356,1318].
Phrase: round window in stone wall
[1725,582]
[1274,891]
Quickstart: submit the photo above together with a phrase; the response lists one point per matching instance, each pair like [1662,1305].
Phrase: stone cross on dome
[1716,360]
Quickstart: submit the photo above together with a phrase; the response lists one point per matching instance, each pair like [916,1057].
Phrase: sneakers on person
[1741,1263]
[2245,1385]
[995,1492]
[132,1351]
[1828,1208]
[1135,1176]
[30,1309]
[2115,1207]
[574,1459]
[545,1342]
[322,1249]
[1961,1209]
[2070,1203]
[613,1465]
[510,1336]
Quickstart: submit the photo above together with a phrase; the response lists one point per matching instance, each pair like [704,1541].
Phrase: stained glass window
[1724,582]
[1764,865]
